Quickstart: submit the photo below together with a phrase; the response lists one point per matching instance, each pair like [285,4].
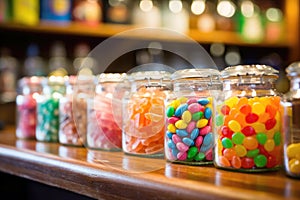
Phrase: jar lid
[146,75]
[248,70]
[195,73]
[111,77]
[293,69]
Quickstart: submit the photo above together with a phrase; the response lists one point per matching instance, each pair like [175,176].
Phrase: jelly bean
[169,134]
[195,107]
[180,110]
[199,141]
[258,127]
[171,144]
[196,116]
[250,143]
[182,155]
[176,138]
[227,143]
[223,161]
[192,101]
[242,101]
[232,101]
[205,130]
[240,150]
[182,100]
[209,154]
[202,123]
[270,134]
[252,153]
[181,133]
[248,131]
[207,113]
[271,110]
[188,141]
[277,138]
[269,145]
[186,116]
[233,111]
[225,109]
[173,120]
[240,118]
[238,138]
[194,134]
[191,126]
[260,161]
[271,162]
[229,153]
[234,126]
[245,109]
[175,152]
[270,123]
[180,124]
[247,163]
[171,128]
[170,111]
[263,117]
[258,108]
[175,103]
[203,101]
[251,118]
[292,150]
[200,156]
[225,130]
[208,140]
[192,152]
[236,162]
[219,120]
[295,166]
[182,147]
[263,151]
[261,138]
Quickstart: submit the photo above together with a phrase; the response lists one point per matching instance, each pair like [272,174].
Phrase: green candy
[170,111]
[192,152]
[277,138]
[219,120]
[196,116]
[260,160]
[261,138]
[252,153]
[238,138]
[227,143]
[200,156]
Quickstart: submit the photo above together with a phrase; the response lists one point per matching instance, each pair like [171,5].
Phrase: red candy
[225,110]
[247,163]
[251,118]
[270,123]
[248,131]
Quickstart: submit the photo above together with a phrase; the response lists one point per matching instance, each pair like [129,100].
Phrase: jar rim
[145,75]
[195,73]
[111,77]
[248,70]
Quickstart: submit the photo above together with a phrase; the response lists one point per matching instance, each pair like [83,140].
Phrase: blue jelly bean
[182,132]
[174,152]
[194,133]
[169,134]
[171,144]
[203,102]
[207,113]
[208,139]
[206,148]
[181,109]
[188,141]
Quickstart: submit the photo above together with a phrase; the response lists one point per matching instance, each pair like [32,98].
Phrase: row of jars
[233,119]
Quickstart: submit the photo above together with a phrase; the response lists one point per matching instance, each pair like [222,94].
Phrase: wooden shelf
[107,30]
[114,175]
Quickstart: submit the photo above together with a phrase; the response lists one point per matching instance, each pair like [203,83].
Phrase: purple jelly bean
[198,141]
[173,120]
[191,100]
[205,130]
[191,126]
[182,147]
[176,138]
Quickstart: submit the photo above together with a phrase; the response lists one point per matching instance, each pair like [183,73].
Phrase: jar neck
[294,83]
[150,83]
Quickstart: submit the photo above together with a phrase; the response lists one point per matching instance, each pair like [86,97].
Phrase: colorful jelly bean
[192,132]
[249,129]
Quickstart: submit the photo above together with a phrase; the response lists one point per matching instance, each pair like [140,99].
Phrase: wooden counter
[113,175]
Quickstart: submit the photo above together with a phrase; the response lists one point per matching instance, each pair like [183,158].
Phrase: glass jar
[48,109]
[143,113]
[291,122]
[248,120]
[104,130]
[30,88]
[189,137]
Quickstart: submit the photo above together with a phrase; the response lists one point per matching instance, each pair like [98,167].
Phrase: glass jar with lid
[248,120]
[291,122]
[189,137]
[104,128]
[48,109]
[30,88]
[143,113]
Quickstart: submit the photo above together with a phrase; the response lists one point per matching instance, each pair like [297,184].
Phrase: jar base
[206,163]
[257,170]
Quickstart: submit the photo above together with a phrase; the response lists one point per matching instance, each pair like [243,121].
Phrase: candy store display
[189,137]
[143,113]
[248,120]
[31,87]
[48,109]
[291,122]
[104,129]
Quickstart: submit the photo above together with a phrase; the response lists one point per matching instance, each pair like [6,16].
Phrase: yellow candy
[171,128]
[232,101]
[269,145]
[202,123]
[293,150]
[258,108]
[234,126]
[259,127]
[182,99]
[180,124]
[265,101]
[294,166]
[186,116]
[270,133]
[175,103]
[240,150]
